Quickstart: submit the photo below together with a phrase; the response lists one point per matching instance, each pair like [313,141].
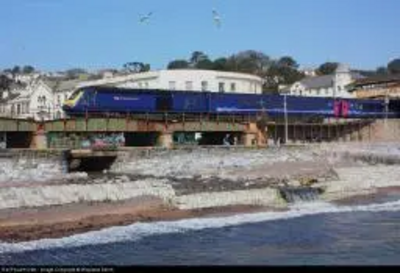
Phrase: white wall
[37,96]
[338,88]
[185,79]
[58,99]
[198,80]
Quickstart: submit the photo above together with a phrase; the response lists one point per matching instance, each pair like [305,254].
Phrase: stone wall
[381,131]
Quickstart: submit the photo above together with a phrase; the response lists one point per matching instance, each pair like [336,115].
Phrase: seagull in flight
[217,18]
[145,18]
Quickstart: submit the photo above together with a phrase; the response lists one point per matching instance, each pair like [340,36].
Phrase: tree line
[275,71]
[393,67]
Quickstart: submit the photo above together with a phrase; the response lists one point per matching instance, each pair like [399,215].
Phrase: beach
[186,184]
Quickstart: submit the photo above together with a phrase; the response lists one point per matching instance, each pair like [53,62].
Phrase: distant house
[334,85]
[377,87]
[35,100]
[309,72]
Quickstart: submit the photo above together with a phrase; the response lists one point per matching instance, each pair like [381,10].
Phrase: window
[339,88]
[140,84]
[18,109]
[146,85]
[233,86]
[59,99]
[172,85]
[318,92]
[73,95]
[204,86]
[189,85]
[221,87]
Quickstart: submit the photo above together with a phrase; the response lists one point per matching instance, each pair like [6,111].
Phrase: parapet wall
[382,131]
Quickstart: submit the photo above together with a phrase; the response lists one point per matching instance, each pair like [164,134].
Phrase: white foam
[140,230]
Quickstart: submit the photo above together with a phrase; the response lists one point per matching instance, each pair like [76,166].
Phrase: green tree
[5,82]
[249,61]
[198,57]
[220,64]
[75,73]
[205,64]
[381,71]
[288,61]
[28,69]
[178,64]
[282,72]
[16,70]
[394,66]
[327,68]
[136,67]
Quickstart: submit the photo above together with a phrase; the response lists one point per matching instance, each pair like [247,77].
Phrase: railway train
[102,100]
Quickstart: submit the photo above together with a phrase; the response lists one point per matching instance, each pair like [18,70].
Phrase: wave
[138,231]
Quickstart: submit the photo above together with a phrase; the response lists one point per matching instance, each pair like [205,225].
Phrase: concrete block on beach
[261,197]
[19,197]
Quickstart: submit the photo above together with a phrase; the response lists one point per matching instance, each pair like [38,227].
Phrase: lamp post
[386,107]
[286,117]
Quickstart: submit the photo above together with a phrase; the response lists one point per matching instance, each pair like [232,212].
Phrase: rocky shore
[184,184]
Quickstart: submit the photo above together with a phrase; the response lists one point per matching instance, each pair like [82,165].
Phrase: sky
[96,34]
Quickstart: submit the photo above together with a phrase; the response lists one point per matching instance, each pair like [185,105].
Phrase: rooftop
[378,79]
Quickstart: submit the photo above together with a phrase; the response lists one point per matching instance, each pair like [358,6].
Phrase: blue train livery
[102,100]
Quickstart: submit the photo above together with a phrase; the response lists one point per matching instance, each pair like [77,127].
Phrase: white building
[309,72]
[34,101]
[334,85]
[188,80]
[61,92]
[43,99]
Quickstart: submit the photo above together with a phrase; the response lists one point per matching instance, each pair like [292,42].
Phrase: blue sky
[95,34]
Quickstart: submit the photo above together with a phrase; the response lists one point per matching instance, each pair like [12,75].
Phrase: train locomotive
[106,100]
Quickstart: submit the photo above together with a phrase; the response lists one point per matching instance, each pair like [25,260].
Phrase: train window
[233,87]
[189,85]
[172,85]
[221,87]
[74,95]
[204,85]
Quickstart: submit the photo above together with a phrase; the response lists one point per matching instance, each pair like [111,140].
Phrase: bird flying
[217,18]
[145,18]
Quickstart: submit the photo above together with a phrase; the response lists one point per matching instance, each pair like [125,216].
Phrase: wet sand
[367,198]
[19,225]
[60,221]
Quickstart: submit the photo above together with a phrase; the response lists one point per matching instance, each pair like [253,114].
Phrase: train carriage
[104,100]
